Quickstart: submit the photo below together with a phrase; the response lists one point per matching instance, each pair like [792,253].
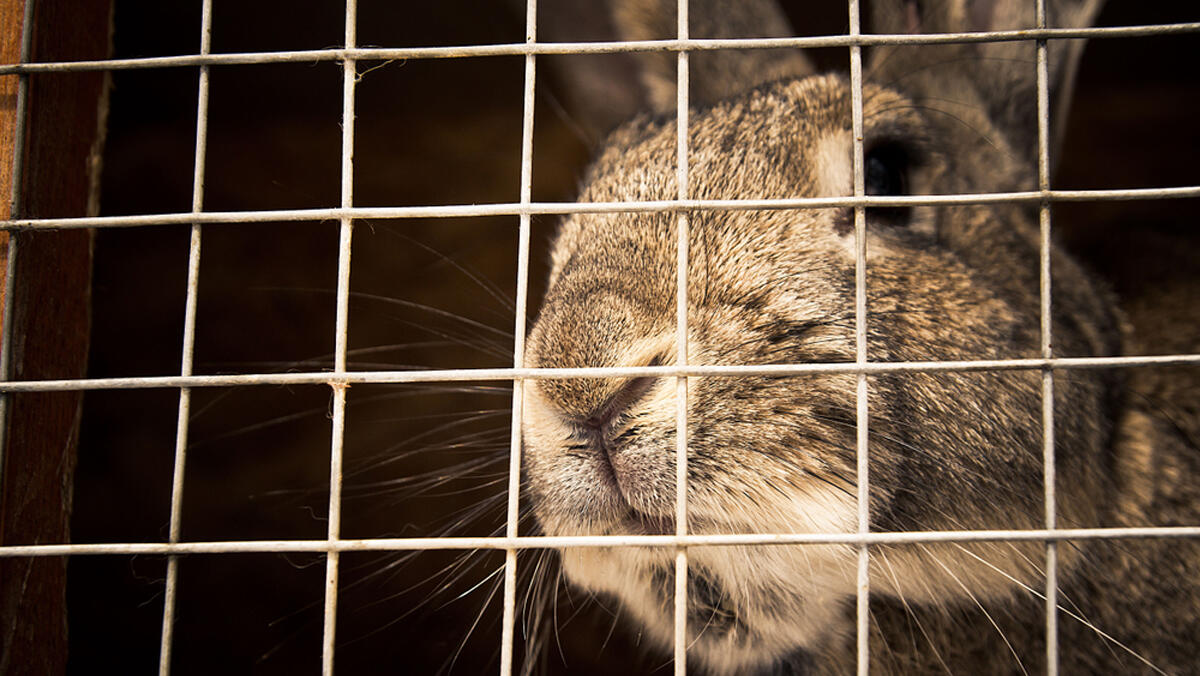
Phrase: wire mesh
[350,56]
[189,344]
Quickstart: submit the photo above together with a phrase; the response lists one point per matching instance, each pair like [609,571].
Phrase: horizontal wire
[560,208]
[484,374]
[576,541]
[565,48]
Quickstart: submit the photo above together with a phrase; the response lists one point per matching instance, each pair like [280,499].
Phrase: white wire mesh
[682,87]
[1049,471]
[350,56]
[189,345]
[375,53]
[862,606]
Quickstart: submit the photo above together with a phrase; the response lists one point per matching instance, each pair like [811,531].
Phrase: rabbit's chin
[743,614]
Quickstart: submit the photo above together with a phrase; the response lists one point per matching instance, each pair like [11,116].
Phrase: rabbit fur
[948,451]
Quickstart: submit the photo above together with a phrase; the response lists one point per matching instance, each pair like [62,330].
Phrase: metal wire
[509,374]
[565,542]
[341,332]
[863,576]
[188,348]
[682,85]
[562,208]
[546,48]
[1049,472]
[518,396]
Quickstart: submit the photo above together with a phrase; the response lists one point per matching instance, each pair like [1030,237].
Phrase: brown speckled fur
[776,454]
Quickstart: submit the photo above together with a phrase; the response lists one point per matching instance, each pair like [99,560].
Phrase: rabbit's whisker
[1099,632]
[981,607]
[487,285]
[909,612]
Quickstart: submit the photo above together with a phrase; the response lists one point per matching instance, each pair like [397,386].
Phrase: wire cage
[319,240]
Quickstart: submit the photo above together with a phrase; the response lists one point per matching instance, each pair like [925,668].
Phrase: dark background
[428,132]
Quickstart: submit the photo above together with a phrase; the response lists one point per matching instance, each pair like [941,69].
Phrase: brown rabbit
[948,451]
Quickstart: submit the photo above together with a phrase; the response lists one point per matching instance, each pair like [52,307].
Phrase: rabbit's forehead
[790,139]
[785,140]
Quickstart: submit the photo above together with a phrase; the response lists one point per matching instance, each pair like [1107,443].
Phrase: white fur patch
[806,584]
[833,166]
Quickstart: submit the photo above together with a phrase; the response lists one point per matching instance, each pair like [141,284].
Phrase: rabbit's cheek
[645,476]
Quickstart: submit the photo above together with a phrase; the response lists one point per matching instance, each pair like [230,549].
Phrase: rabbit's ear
[595,91]
[714,75]
[603,90]
[1002,74]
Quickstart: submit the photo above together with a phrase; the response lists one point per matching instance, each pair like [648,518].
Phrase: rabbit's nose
[631,391]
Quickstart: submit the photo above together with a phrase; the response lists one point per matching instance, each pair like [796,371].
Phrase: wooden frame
[49,310]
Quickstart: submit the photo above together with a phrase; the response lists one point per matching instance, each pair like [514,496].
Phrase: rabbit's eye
[886,168]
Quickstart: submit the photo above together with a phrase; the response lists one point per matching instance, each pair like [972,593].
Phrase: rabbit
[776,454]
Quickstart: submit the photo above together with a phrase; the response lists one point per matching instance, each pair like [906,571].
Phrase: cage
[195,527]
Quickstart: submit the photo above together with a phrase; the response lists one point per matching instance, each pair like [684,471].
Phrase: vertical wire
[681,336]
[349,80]
[189,341]
[863,588]
[16,210]
[1048,452]
[518,400]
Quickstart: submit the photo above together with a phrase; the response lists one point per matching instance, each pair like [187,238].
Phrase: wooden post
[50,313]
